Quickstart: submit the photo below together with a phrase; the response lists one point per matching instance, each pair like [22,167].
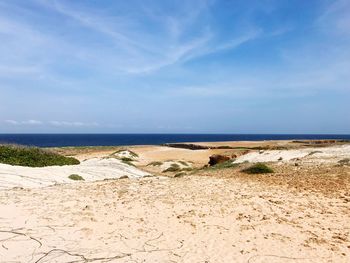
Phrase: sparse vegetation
[224,165]
[156,163]
[174,167]
[76,177]
[127,161]
[183,163]
[314,152]
[180,174]
[258,168]
[32,157]
[133,154]
[187,169]
[345,161]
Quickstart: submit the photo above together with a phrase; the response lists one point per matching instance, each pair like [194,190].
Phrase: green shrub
[258,168]
[224,165]
[76,177]
[32,157]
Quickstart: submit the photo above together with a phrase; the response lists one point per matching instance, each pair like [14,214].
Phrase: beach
[140,211]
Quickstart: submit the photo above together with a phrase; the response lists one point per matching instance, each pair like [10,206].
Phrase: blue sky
[206,66]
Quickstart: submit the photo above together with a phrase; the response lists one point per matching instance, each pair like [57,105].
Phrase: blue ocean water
[61,140]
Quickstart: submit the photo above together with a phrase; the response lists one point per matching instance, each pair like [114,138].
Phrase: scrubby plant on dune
[127,161]
[224,165]
[155,163]
[32,157]
[258,168]
[345,161]
[76,177]
[174,167]
[131,153]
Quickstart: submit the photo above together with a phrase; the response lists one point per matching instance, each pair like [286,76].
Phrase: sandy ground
[298,214]
[189,219]
[307,155]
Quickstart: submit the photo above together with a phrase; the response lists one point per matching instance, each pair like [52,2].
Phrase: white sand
[307,155]
[91,170]
[182,165]
[125,154]
[190,219]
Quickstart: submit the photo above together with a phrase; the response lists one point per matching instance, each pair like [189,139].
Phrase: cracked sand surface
[186,219]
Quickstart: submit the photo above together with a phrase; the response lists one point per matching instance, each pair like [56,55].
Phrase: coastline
[63,140]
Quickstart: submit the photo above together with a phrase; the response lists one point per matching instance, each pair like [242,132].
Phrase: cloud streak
[73,124]
[27,122]
[51,123]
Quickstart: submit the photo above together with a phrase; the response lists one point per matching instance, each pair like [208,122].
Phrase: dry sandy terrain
[298,214]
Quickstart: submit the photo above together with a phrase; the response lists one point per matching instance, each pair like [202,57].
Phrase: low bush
[157,163]
[32,157]
[180,174]
[76,177]
[133,154]
[173,168]
[258,168]
[184,163]
[127,161]
[224,165]
[345,161]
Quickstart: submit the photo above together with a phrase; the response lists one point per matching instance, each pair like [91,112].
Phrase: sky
[199,66]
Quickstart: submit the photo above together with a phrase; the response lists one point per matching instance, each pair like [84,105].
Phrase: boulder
[217,158]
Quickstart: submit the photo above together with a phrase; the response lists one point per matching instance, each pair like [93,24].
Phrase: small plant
[157,163]
[76,177]
[179,174]
[183,163]
[345,161]
[127,161]
[133,154]
[258,168]
[223,165]
[314,152]
[187,169]
[173,168]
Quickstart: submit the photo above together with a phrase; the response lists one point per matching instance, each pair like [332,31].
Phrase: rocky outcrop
[217,158]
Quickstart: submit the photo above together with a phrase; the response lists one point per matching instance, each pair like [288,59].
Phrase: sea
[64,140]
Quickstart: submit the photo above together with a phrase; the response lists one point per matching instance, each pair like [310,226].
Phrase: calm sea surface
[60,140]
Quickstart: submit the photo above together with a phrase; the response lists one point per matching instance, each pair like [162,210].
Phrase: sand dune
[307,155]
[91,170]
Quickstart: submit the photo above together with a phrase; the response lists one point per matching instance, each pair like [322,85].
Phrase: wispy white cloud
[135,50]
[52,123]
[73,124]
[336,18]
[12,122]
[26,122]
[32,122]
